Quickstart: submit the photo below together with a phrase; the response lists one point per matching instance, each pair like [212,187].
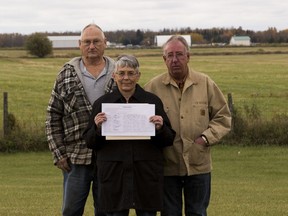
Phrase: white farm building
[64,41]
[240,41]
[159,40]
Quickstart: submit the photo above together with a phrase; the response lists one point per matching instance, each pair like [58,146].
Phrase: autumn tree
[197,38]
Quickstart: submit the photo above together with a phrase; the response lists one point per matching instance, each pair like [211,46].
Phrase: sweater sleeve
[92,134]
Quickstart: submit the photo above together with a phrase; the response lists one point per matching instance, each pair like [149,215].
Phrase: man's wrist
[205,139]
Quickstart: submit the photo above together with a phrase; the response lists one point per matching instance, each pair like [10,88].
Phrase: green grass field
[245,181]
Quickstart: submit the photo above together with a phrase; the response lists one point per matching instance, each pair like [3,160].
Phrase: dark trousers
[126,213]
[197,190]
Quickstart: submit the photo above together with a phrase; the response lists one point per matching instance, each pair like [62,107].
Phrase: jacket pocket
[198,155]
[74,99]
[108,171]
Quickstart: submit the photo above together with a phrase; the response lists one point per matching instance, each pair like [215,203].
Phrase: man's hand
[63,165]
[200,141]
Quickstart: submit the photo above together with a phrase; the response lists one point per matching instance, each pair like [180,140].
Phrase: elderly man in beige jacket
[200,116]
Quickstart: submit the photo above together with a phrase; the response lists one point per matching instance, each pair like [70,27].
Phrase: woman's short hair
[127,61]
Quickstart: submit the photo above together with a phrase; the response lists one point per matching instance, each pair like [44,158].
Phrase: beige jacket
[200,109]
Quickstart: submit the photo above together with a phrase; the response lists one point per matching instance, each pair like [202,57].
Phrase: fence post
[231,108]
[5,114]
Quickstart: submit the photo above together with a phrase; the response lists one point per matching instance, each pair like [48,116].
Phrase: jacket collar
[137,96]
[190,80]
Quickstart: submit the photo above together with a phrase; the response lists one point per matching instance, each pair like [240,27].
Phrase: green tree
[39,45]
[139,37]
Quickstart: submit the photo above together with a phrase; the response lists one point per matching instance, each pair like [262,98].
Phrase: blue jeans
[197,190]
[76,188]
[126,213]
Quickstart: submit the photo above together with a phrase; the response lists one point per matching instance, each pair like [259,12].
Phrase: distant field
[251,78]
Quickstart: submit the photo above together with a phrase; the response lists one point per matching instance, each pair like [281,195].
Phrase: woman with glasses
[130,171]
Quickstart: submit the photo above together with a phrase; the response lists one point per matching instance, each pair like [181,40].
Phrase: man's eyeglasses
[94,42]
[178,55]
[130,74]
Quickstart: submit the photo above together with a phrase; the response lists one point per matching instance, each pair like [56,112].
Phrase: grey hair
[127,61]
[176,38]
[94,25]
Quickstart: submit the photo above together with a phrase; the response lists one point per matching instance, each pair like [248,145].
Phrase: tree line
[146,37]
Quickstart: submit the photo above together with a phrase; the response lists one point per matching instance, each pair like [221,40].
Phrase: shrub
[23,137]
[38,45]
[238,125]
[252,129]
[248,129]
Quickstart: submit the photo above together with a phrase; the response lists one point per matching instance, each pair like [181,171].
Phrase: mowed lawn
[246,181]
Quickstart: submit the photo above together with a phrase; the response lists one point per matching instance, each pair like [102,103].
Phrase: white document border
[116,113]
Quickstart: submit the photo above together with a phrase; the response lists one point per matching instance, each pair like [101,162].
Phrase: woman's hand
[100,118]
[157,120]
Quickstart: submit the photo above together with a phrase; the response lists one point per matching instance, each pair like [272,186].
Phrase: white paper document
[128,121]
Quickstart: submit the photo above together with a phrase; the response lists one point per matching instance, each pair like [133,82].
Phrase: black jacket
[130,172]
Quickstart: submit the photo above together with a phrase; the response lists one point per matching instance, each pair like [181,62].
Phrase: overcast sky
[29,16]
